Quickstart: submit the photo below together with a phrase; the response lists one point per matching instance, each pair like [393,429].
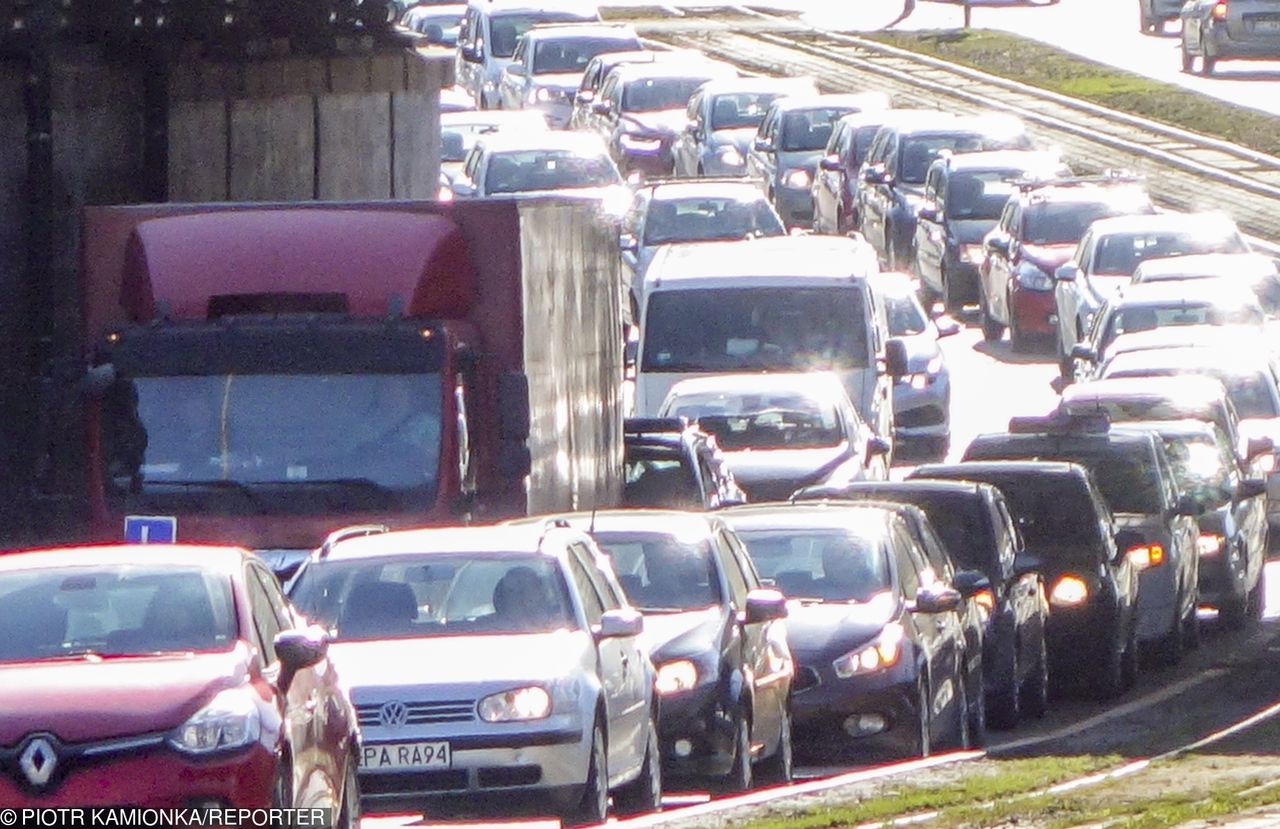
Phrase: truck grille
[420,713]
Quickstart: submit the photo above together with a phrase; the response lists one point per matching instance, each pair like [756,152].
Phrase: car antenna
[591,530]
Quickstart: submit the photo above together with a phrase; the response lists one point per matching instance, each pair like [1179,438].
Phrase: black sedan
[978,531]
[1093,585]
[878,642]
[724,668]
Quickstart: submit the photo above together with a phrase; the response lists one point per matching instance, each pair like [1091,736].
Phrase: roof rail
[654,425]
[1059,423]
[1108,176]
[654,181]
[344,533]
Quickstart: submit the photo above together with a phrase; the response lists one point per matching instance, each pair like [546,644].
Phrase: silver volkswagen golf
[494,671]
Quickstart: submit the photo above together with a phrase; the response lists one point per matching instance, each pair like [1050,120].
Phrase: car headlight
[645,143]
[935,365]
[973,254]
[1034,279]
[1147,555]
[1210,544]
[540,95]
[674,677]
[229,721]
[1069,591]
[730,157]
[797,179]
[877,656]
[530,703]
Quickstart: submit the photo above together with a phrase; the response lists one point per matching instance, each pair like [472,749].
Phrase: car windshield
[435,595]
[113,610]
[906,316]
[979,194]
[655,481]
[826,564]
[919,150]
[809,129]
[749,329]
[1061,223]
[761,420]
[659,571]
[275,428]
[861,143]
[532,170]
[702,219]
[505,29]
[438,28]
[657,94]
[571,55]
[1119,254]
[740,110]
[1203,468]
[1127,320]
[1058,519]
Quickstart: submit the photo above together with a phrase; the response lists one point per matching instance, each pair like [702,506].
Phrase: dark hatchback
[877,637]
[1093,587]
[674,464]
[978,531]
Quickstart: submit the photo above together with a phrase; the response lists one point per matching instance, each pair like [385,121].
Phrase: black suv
[672,463]
[1093,586]
[978,532]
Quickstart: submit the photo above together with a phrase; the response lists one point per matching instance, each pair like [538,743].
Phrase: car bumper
[1033,312]
[520,772]
[1220,44]
[647,162]
[159,778]
[794,206]
[695,733]
[826,709]
[1157,601]
[556,113]
[922,411]
[1222,578]
[1079,637]
[713,164]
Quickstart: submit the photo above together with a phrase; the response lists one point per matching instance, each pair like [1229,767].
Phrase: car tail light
[1069,591]
[1148,555]
[986,601]
[1220,10]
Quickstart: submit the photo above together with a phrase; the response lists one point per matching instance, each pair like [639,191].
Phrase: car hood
[666,122]
[1047,257]
[970,231]
[740,138]
[834,629]
[85,699]
[802,466]
[448,660]
[671,635]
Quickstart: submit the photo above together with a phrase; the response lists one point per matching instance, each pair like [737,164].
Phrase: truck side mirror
[513,406]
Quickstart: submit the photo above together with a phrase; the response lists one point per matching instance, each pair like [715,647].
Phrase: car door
[766,658]
[684,150]
[1024,592]
[931,232]
[511,83]
[997,269]
[947,652]
[759,154]
[826,184]
[621,664]
[875,205]
[1066,296]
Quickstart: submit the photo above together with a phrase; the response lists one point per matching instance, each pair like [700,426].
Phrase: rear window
[961,523]
[659,479]
[709,218]
[980,194]
[1056,515]
[809,129]
[761,420]
[820,564]
[1126,474]
[1062,223]
[920,150]
[1119,254]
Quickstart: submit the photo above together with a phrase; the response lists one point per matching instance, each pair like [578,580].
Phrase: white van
[781,304]
[489,34]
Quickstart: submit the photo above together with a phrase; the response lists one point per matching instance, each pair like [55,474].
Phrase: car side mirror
[1258,446]
[628,242]
[1250,488]
[998,244]
[1025,563]
[764,605]
[602,108]
[970,583]
[937,598]
[946,326]
[878,447]
[471,54]
[630,351]
[617,624]
[516,69]
[584,96]
[299,649]
[1187,505]
[762,145]
[1067,272]
[830,163]
[928,214]
[1085,352]
[896,358]
[462,189]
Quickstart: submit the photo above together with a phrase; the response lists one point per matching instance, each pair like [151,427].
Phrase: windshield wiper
[214,483]
[368,484]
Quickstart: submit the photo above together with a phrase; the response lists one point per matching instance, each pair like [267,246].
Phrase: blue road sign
[150,529]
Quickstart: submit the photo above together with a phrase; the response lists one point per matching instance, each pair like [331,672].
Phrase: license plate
[396,756]
[1266,25]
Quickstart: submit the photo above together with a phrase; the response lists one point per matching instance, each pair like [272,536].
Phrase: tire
[1004,705]
[922,745]
[1170,648]
[1129,665]
[739,778]
[1017,339]
[349,807]
[777,769]
[1188,61]
[1109,680]
[950,302]
[1034,694]
[593,808]
[960,737]
[977,716]
[644,794]
[991,330]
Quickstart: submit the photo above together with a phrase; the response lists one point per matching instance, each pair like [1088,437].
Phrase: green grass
[1047,67]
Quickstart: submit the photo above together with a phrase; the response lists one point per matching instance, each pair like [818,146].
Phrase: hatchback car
[835,184]
[1136,479]
[1215,30]
[974,524]
[203,685]
[723,118]
[1252,379]
[672,463]
[438,23]
[547,66]
[876,635]
[1092,585]
[565,164]
[724,670]
[793,136]
[495,668]
[780,432]
[459,132]
[1154,14]
[1258,271]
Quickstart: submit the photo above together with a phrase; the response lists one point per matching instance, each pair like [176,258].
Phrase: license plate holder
[422,755]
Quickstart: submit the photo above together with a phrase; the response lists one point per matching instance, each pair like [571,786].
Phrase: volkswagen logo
[393,714]
[38,761]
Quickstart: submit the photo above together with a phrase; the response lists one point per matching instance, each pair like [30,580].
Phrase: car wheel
[1004,707]
[977,715]
[922,744]
[282,788]
[644,794]
[1129,665]
[991,330]
[1169,648]
[1206,62]
[1188,60]
[593,808]
[777,769]
[349,806]
[950,299]
[1017,338]
[739,778]
[1109,680]
[1035,690]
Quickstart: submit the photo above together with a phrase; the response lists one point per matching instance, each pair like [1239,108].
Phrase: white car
[491,668]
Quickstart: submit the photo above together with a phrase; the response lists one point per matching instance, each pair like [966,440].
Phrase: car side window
[265,621]
[1015,221]
[891,153]
[876,150]
[1003,534]
[908,575]
[935,552]
[905,540]
[592,603]
[694,110]
[1084,252]
[609,597]
[732,571]
[521,47]
[279,604]
[1011,541]
[744,561]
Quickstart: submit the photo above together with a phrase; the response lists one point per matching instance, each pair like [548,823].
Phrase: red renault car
[165,676]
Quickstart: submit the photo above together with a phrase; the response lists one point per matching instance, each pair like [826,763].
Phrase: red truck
[263,374]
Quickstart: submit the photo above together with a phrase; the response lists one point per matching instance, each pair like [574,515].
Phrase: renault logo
[393,714]
[38,761]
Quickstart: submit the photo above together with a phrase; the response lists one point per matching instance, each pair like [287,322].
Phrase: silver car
[493,668]
[1215,30]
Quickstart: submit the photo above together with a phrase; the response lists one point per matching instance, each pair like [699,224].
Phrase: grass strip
[1041,65]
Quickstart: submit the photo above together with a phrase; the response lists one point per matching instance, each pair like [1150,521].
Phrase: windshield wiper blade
[213,483]
[353,483]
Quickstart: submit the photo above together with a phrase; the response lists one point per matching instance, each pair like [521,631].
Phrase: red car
[165,676]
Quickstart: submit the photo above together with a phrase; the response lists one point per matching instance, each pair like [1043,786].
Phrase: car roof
[1207,264]
[659,521]
[1037,161]
[858,100]
[805,515]
[757,84]
[823,257]
[494,117]
[1192,359]
[1157,222]
[578,142]
[219,559]
[821,385]
[586,10]
[449,540]
[1193,336]
[957,471]
[690,68]
[695,188]
[1195,291]
[1129,196]
[1188,389]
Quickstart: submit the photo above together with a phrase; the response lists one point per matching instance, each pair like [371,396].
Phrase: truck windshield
[382,430]
[753,329]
